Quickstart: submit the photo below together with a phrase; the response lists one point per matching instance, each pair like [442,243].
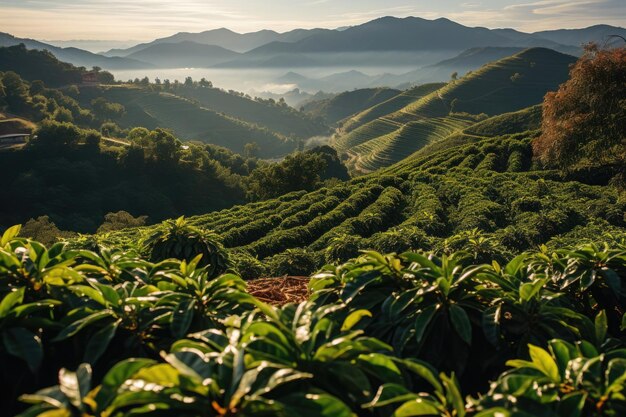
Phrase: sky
[142,20]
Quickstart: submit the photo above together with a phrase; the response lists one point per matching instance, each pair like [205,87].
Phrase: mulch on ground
[280,290]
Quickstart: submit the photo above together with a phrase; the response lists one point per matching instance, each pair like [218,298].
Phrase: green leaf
[424,370]
[116,376]
[89,292]
[418,407]
[422,321]
[530,289]
[454,394]
[491,325]
[99,342]
[461,323]
[315,405]
[572,405]
[354,318]
[390,394]
[495,412]
[544,362]
[76,385]
[10,300]
[9,234]
[601,326]
[25,345]
[382,367]
[182,318]
[78,325]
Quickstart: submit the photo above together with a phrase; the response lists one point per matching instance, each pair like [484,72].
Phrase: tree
[56,134]
[106,110]
[105,77]
[165,146]
[138,135]
[63,115]
[204,83]
[37,87]
[121,220]
[110,129]
[454,76]
[188,82]
[299,171]
[92,140]
[584,122]
[251,150]
[3,93]
[43,230]
[16,92]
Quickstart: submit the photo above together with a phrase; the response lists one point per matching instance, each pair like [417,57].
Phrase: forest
[460,247]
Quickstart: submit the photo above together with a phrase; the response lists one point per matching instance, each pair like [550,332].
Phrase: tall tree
[584,122]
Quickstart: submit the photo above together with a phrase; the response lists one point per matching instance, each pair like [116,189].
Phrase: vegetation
[393,135]
[431,201]
[274,115]
[584,122]
[39,65]
[337,108]
[408,334]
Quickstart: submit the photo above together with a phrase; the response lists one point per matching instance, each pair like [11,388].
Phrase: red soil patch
[280,290]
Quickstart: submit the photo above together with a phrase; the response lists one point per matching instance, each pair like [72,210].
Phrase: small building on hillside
[90,77]
[14,138]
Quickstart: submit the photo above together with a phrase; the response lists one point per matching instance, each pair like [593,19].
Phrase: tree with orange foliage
[584,122]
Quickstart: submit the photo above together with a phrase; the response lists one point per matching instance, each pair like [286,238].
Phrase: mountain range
[387,40]
[76,56]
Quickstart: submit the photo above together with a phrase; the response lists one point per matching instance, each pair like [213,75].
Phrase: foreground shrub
[179,240]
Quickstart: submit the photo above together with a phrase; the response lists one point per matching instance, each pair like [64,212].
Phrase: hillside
[190,121]
[225,38]
[393,104]
[503,86]
[348,103]
[10,125]
[597,33]
[75,56]
[401,34]
[185,54]
[488,190]
[278,118]
[528,119]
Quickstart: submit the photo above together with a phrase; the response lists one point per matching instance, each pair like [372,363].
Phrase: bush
[247,266]
[178,240]
[299,262]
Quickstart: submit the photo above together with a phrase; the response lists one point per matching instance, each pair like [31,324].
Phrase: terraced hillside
[191,121]
[485,197]
[506,85]
[278,118]
[393,104]
[502,124]
[348,103]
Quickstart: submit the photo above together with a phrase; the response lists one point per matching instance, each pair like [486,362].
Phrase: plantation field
[486,190]
[350,103]
[387,107]
[408,334]
[509,85]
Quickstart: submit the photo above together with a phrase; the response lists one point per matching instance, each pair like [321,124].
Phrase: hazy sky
[149,19]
